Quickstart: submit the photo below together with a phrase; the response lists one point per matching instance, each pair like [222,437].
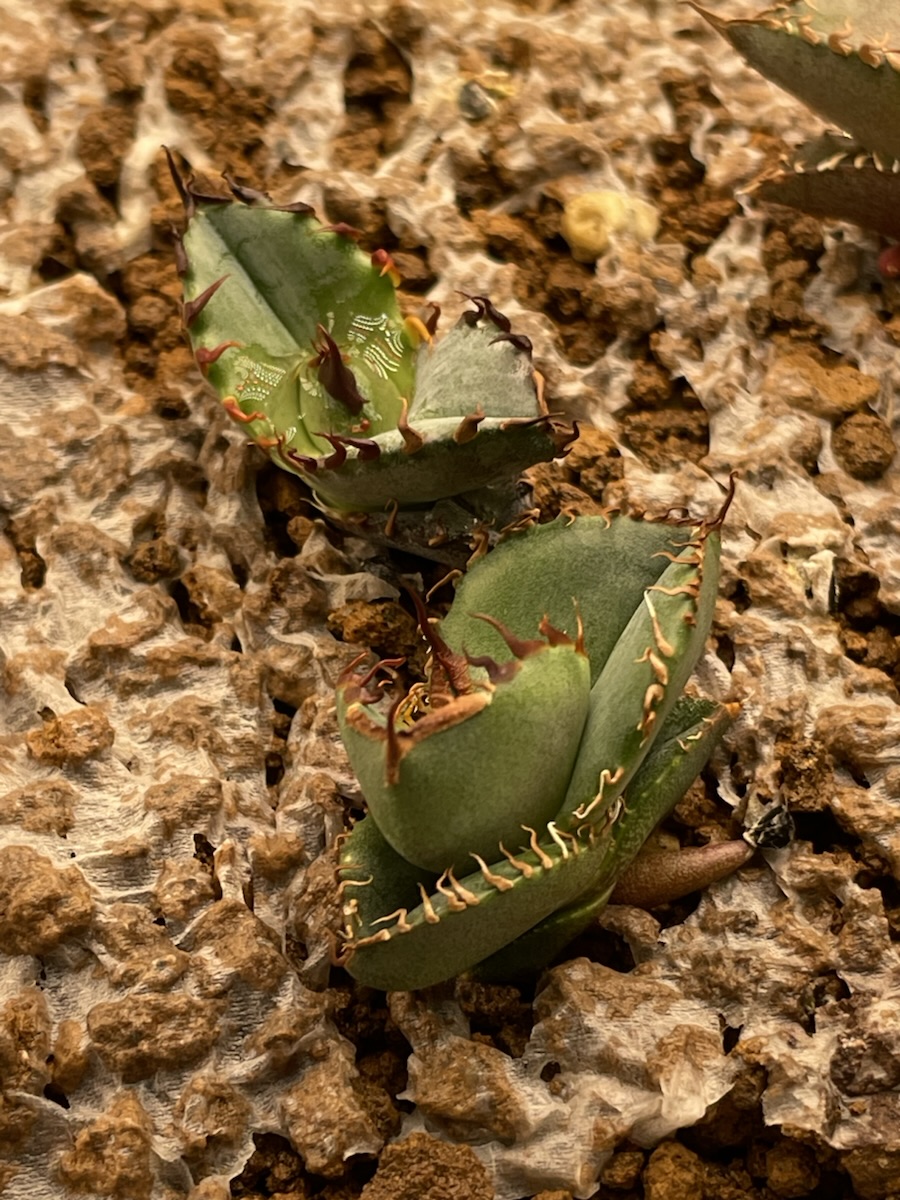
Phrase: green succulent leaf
[417,775]
[301,335]
[836,178]
[604,564]
[549,774]
[540,905]
[840,57]
[687,739]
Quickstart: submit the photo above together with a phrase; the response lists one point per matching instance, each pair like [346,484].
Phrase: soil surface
[174,613]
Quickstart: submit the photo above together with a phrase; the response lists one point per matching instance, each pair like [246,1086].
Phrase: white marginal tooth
[468,898]
[543,857]
[402,926]
[500,882]
[383,935]
[607,779]
[454,903]
[664,646]
[555,834]
[525,868]
[431,917]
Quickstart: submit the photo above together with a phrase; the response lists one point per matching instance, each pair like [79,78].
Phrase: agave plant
[842,58]
[301,335]
[508,795]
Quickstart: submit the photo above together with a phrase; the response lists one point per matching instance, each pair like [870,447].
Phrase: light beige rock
[589,220]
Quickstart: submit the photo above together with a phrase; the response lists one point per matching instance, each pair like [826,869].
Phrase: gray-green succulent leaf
[302,336]
[508,793]
[836,178]
[842,59]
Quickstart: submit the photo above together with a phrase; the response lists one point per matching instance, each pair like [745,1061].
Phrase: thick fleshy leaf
[604,565]
[836,178]
[514,741]
[687,739]
[302,336]
[439,931]
[645,592]
[285,275]
[644,675]
[840,57]
[476,415]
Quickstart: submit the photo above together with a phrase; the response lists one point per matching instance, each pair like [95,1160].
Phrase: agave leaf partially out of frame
[301,335]
[842,58]
[508,795]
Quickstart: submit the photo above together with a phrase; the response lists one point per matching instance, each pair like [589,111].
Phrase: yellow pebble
[589,219]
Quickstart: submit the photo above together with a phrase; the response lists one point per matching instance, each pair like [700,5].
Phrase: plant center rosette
[507,793]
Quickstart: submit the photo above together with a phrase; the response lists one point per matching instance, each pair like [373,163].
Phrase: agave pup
[508,796]
[301,335]
[842,58]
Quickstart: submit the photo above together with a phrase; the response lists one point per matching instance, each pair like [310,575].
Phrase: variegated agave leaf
[541,761]
[302,336]
[842,58]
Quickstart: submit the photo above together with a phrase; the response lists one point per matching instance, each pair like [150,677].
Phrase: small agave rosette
[554,829]
[302,336]
[451,772]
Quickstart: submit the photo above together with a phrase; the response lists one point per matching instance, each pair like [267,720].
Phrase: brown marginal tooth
[717,521]
[554,636]
[192,308]
[382,665]
[180,183]
[469,317]
[497,672]
[304,461]
[412,441]
[207,197]
[485,308]
[339,457]
[493,314]
[394,751]
[297,206]
[205,356]
[431,322]
[454,665]
[247,195]
[518,340]
[366,449]
[468,427]
[182,266]
[184,185]
[342,229]
[346,674]
[545,419]
[520,647]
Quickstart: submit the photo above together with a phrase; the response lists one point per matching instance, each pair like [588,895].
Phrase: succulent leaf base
[507,796]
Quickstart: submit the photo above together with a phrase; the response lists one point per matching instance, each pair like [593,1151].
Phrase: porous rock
[421,1167]
[40,904]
